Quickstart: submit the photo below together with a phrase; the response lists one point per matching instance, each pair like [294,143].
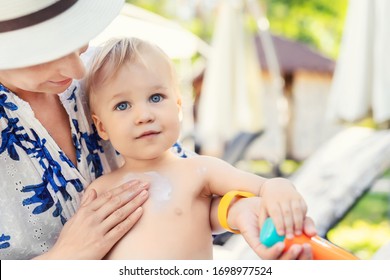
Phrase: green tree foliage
[318,23]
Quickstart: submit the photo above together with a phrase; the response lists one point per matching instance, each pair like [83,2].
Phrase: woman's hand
[244,216]
[100,222]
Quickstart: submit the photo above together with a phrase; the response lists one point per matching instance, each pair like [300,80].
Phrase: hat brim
[58,36]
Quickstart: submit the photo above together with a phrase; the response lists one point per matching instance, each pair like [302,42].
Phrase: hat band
[36,17]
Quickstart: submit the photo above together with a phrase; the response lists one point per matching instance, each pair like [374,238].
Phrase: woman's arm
[99,222]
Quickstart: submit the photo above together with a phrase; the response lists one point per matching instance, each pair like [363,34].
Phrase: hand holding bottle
[322,249]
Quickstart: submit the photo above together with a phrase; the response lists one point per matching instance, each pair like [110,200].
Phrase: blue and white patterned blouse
[40,187]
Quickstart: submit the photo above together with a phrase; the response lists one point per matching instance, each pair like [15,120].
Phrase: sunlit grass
[361,237]
[365,228]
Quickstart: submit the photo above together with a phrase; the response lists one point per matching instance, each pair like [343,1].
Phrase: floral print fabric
[40,187]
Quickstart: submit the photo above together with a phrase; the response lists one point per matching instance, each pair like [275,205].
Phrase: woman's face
[52,77]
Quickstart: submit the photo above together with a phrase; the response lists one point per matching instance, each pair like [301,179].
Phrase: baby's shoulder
[201,161]
[104,183]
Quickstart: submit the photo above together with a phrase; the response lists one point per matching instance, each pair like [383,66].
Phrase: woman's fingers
[126,212]
[306,253]
[118,195]
[298,252]
[272,253]
[88,197]
[114,206]
[292,253]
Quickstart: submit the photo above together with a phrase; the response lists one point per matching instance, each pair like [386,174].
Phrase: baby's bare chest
[175,222]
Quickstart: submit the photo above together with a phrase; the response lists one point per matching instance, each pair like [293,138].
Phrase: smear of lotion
[160,191]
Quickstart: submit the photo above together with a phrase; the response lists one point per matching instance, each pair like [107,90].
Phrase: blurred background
[291,88]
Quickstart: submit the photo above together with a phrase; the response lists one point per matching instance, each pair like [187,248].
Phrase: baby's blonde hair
[112,55]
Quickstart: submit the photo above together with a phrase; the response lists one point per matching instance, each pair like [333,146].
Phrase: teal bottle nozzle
[269,236]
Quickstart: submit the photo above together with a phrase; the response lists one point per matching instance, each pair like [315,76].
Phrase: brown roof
[295,56]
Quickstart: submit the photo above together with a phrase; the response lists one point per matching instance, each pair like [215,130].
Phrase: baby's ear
[180,108]
[178,102]
[100,127]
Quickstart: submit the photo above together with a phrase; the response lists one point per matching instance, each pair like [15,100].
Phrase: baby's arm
[280,200]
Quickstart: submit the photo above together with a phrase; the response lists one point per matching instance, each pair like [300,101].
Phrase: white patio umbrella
[175,40]
[230,100]
[361,83]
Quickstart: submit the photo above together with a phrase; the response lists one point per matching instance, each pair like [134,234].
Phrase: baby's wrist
[225,208]
[273,183]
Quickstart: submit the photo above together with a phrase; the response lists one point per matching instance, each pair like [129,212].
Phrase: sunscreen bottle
[322,249]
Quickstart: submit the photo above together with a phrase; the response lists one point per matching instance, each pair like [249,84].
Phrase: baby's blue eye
[122,106]
[155,98]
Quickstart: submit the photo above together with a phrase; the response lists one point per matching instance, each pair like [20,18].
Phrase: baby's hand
[284,205]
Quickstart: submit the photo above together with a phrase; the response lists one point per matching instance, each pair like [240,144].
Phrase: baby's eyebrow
[117,95]
[158,87]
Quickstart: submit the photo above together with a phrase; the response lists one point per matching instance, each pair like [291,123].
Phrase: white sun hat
[37,31]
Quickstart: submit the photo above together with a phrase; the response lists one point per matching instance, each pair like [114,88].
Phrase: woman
[50,151]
